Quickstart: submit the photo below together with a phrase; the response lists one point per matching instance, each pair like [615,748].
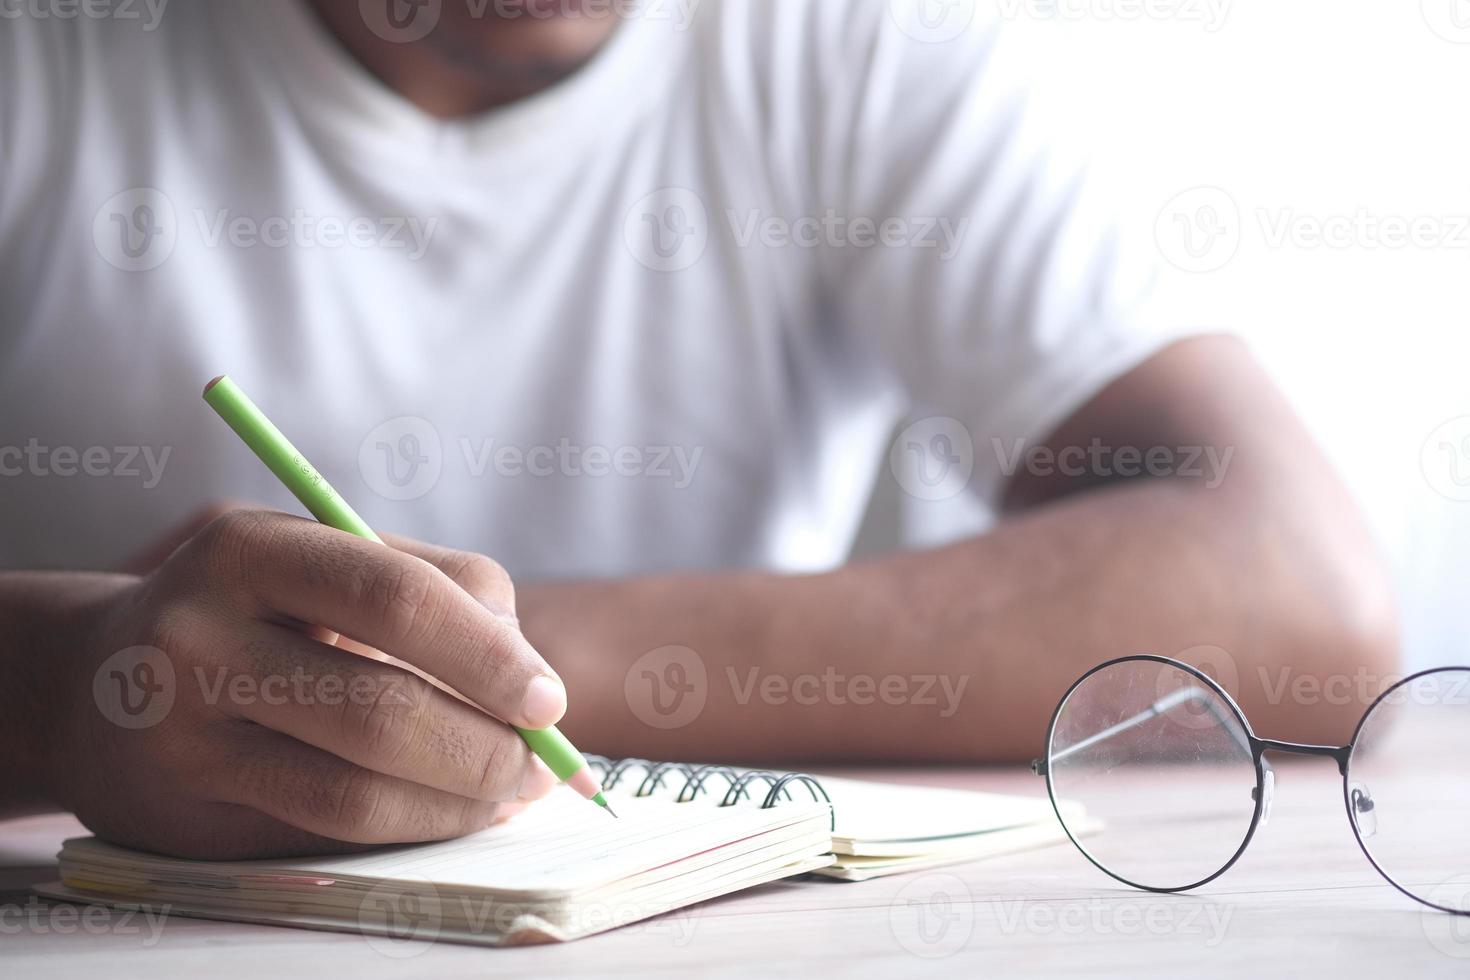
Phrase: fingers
[320,794]
[538,783]
[220,831]
[393,601]
[232,832]
[485,581]
[482,578]
[378,716]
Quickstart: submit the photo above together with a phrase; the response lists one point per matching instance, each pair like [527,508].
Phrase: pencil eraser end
[213,382]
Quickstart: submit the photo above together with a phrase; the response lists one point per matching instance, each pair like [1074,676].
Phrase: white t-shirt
[662,316]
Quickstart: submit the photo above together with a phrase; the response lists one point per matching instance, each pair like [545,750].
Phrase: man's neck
[461,69]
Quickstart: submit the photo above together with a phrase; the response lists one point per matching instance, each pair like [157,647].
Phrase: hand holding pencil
[231,725]
[319,497]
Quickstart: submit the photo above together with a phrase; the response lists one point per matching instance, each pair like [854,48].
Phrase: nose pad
[1265,793]
[1365,814]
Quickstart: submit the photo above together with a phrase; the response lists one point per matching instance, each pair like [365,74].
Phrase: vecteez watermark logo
[1450,934]
[148,14]
[1213,661]
[674,465]
[1449,19]
[834,687]
[401,21]
[668,230]
[933,916]
[1103,461]
[834,230]
[1444,459]
[933,21]
[933,459]
[139,229]
[138,687]
[37,917]
[1362,229]
[401,918]
[303,230]
[1210,15]
[667,688]
[135,688]
[1199,229]
[407,21]
[136,230]
[1361,687]
[43,461]
[1206,921]
[678,14]
[404,458]
[382,692]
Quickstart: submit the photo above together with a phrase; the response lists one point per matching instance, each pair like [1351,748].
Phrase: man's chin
[524,37]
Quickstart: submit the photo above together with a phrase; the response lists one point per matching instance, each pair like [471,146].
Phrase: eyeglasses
[1174,783]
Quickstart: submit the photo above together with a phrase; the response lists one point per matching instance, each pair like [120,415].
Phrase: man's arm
[40,613]
[1273,566]
[190,711]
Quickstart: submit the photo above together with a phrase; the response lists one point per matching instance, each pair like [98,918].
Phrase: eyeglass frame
[1258,747]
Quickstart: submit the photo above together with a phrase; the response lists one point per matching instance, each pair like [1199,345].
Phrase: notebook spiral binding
[737,783]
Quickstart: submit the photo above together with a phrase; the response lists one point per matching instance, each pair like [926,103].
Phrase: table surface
[1302,899]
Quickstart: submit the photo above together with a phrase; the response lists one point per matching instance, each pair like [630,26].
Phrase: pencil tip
[610,810]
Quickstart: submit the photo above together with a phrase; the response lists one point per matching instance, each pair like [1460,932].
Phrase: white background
[1305,114]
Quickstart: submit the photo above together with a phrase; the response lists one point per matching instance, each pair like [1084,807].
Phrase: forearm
[39,617]
[977,641]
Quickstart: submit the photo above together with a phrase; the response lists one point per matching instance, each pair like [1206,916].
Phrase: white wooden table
[1302,901]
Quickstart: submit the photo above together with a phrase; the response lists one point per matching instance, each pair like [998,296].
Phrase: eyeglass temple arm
[1163,704]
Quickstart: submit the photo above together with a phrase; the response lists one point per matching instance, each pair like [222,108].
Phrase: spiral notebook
[564,870]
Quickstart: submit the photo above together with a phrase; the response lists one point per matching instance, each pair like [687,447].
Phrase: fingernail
[545,703]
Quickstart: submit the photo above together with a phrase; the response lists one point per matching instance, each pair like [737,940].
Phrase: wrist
[46,619]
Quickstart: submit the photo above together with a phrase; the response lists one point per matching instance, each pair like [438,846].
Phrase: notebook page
[527,929]
[891,812]
[561,846]
[993,843]
[564,844]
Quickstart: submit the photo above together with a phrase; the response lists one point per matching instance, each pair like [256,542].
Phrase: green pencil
[327,506]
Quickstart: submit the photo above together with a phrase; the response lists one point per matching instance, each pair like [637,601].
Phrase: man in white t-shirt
[627,301]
